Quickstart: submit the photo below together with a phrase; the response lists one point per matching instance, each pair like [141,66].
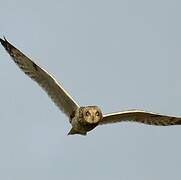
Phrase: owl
[82,118]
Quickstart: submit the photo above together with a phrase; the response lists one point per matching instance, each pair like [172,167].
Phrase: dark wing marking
[61,98]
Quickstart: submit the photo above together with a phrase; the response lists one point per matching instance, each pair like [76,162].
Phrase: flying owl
[82,119]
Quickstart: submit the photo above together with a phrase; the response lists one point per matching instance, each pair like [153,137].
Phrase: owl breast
[80,125]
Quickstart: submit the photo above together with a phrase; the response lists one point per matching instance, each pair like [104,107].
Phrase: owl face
[91,114]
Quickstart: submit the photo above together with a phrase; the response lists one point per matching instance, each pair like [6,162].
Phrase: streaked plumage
[82,119]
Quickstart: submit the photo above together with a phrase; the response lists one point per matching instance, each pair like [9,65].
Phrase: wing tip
[4,42]
[8,47]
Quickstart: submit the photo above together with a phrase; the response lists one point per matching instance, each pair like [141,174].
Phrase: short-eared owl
[82,119]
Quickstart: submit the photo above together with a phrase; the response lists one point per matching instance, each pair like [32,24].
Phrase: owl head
[91,114]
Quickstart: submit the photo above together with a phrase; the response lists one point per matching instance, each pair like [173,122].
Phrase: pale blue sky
[115,54]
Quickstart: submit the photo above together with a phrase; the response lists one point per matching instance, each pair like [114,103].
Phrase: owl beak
[92,118]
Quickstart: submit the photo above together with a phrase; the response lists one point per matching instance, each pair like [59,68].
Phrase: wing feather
[141,117]
[56,92]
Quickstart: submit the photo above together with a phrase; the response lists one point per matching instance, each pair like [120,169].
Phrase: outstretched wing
[142,117]
[61,98]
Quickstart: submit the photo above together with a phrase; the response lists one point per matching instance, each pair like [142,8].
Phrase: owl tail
[73,131]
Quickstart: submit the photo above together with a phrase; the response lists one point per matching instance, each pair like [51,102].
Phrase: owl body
[85,119]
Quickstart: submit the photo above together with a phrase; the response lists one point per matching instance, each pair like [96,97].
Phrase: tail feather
[73,131]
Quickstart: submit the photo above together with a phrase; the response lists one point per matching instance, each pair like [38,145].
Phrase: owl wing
[141,117]
[60,97]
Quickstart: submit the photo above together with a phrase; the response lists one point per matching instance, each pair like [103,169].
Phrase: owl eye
[97,113]
[87,113]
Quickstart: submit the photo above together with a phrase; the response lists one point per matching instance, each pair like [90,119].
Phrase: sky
[118,55]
